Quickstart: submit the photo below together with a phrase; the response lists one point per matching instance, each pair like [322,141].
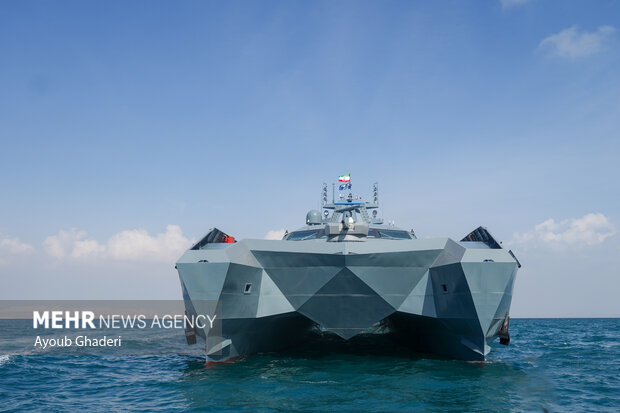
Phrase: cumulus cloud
[510,3]
[129,245]
[12,246]
[70,243]
[275,234]
[139,245]
[589,230]
[573,43]
[15,246]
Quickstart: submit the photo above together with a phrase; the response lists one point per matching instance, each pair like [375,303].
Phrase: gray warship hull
[438,295]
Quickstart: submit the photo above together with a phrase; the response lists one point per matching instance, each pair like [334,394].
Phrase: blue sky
[130,128]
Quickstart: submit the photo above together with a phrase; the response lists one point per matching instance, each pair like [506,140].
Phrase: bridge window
[393,234]
[303,235]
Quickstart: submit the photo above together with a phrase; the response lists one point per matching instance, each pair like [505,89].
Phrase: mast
[348,205]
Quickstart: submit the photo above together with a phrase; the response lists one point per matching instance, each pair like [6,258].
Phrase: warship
[347,273]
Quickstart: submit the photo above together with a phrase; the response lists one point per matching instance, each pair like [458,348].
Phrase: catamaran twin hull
[440,296]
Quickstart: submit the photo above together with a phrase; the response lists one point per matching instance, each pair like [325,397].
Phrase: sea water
[551,364]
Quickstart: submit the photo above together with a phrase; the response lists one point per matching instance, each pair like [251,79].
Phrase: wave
[3,358]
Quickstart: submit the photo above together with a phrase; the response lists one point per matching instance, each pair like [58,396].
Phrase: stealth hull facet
[437,295]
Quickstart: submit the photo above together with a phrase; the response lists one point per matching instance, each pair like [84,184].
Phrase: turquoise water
[553,364]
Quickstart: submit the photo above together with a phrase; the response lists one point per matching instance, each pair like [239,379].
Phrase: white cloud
[70,244]
[13,246]
[589,230]
[275,234]
[510,3]
[137,245]
[86,248]
[573,43]
[129,245]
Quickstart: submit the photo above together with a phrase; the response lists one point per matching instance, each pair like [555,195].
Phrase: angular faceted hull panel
[437,295]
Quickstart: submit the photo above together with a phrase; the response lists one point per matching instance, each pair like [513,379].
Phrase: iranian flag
[344,178]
